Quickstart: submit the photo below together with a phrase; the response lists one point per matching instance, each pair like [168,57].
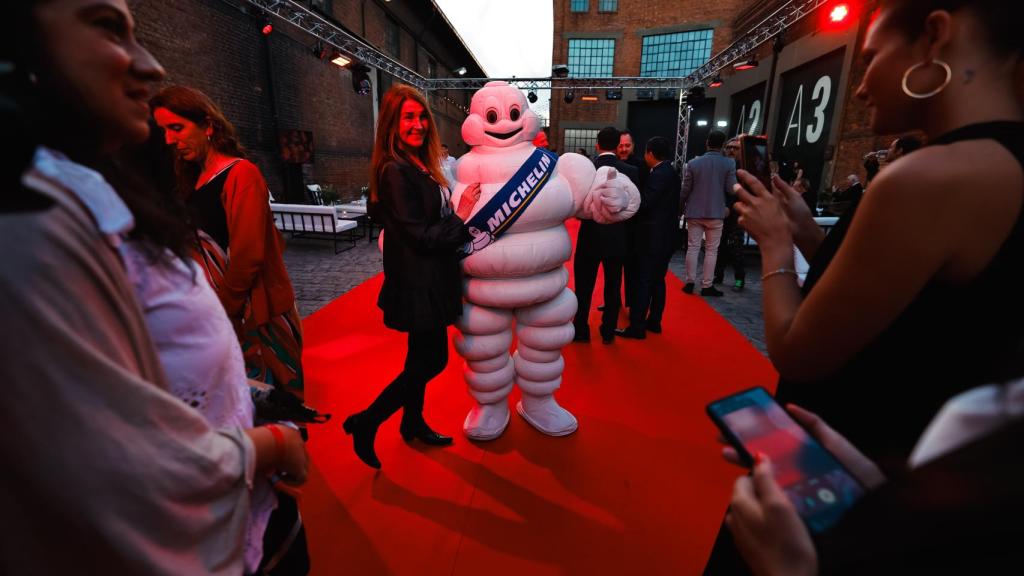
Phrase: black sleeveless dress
[206,208]
[949,339]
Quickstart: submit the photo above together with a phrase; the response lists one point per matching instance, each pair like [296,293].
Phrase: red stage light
[267,29]
[839,13]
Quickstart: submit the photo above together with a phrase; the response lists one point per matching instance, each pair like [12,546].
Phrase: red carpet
[639,489]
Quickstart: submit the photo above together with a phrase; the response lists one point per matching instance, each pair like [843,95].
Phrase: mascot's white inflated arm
[602,195]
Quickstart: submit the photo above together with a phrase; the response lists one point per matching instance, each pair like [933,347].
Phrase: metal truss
[327,32]
[315,25]
[785,16]
[559,83]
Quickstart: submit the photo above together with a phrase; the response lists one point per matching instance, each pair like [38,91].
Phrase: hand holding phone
[816,483]
[754,158]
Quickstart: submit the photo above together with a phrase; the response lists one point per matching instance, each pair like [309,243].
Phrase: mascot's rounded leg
[543,329]
[486,334]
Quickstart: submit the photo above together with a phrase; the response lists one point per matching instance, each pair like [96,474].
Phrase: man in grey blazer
[706,182]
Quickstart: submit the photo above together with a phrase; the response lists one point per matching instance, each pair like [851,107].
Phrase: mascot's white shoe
[486,421]
[544,414]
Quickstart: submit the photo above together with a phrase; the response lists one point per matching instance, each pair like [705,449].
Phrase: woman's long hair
[388,146]
[193,105]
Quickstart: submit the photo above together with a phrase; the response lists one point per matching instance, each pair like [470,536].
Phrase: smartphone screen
[819,486]
[755,158]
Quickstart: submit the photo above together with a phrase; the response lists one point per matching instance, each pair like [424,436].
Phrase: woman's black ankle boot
[363,433]
[418,429]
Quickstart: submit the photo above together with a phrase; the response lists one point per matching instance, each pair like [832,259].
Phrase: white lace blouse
[200,355]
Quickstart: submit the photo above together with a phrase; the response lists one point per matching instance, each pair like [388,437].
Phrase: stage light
[268,28]
[339,59]
[613,94]
[569,97]
[694,96]
[531,96]
[589,98]
[702,123]
[721,123]
[560,71]
[839,13]
[716,81]
[361,79]
[460,71]
[747,64]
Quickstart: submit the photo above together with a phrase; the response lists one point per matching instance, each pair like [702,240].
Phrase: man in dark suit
[625,153]
[604,245]
[657,226]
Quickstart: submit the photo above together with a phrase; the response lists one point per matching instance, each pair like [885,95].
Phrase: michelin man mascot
[514,267]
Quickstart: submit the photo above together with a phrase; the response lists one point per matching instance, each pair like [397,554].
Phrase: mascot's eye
[514,114]
[492,116]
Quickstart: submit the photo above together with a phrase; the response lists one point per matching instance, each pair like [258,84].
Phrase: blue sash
[509,203]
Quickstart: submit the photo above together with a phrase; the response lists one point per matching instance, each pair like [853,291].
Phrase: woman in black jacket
[422,291]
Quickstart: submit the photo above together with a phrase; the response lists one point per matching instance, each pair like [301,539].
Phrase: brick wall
[268,84]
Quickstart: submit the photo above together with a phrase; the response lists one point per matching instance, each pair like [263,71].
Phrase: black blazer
[609,240]
[657,220]
[422,281]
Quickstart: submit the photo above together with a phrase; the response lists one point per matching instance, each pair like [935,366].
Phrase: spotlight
[702,123]
[460,71]
[722,123]
[560,71]
[839,13]
[531,96]
[746,64]
[569,97]
[321,51]
[613,94]
[340,60]
[694,96]
[716,81]
[267,28]
[361,79]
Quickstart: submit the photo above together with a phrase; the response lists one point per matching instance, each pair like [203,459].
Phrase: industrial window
[607,5]
[391,38]
[576,138]
[591,57]
[579,5]
[675,54]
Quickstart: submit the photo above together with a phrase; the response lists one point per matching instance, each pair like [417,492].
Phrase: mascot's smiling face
[499,116]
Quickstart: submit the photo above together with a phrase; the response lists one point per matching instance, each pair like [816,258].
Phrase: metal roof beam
[315,25]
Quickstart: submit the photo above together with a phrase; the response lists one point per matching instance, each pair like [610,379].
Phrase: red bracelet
[275,431]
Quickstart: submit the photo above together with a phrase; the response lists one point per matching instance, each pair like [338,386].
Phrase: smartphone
[754,158]
[819,487]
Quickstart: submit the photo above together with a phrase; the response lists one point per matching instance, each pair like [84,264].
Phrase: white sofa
[303,220]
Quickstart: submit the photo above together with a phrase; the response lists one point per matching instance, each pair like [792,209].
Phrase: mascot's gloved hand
[613,198]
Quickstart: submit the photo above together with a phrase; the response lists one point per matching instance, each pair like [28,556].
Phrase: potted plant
[329,194]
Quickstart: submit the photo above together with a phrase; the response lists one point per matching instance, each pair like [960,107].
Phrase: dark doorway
[702,122]
[649,119]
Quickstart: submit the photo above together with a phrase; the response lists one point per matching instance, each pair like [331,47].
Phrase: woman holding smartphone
[422,291]
[913,296]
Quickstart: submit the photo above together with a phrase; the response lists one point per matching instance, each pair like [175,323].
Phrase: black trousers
[648,291]
[426,357]
[731,251]
[584,269]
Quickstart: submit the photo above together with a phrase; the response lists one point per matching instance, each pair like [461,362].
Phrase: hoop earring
[917,96]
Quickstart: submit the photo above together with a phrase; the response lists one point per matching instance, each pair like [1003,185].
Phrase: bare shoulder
[955,180]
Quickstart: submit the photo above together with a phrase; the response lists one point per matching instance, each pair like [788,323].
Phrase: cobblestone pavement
[319,276]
